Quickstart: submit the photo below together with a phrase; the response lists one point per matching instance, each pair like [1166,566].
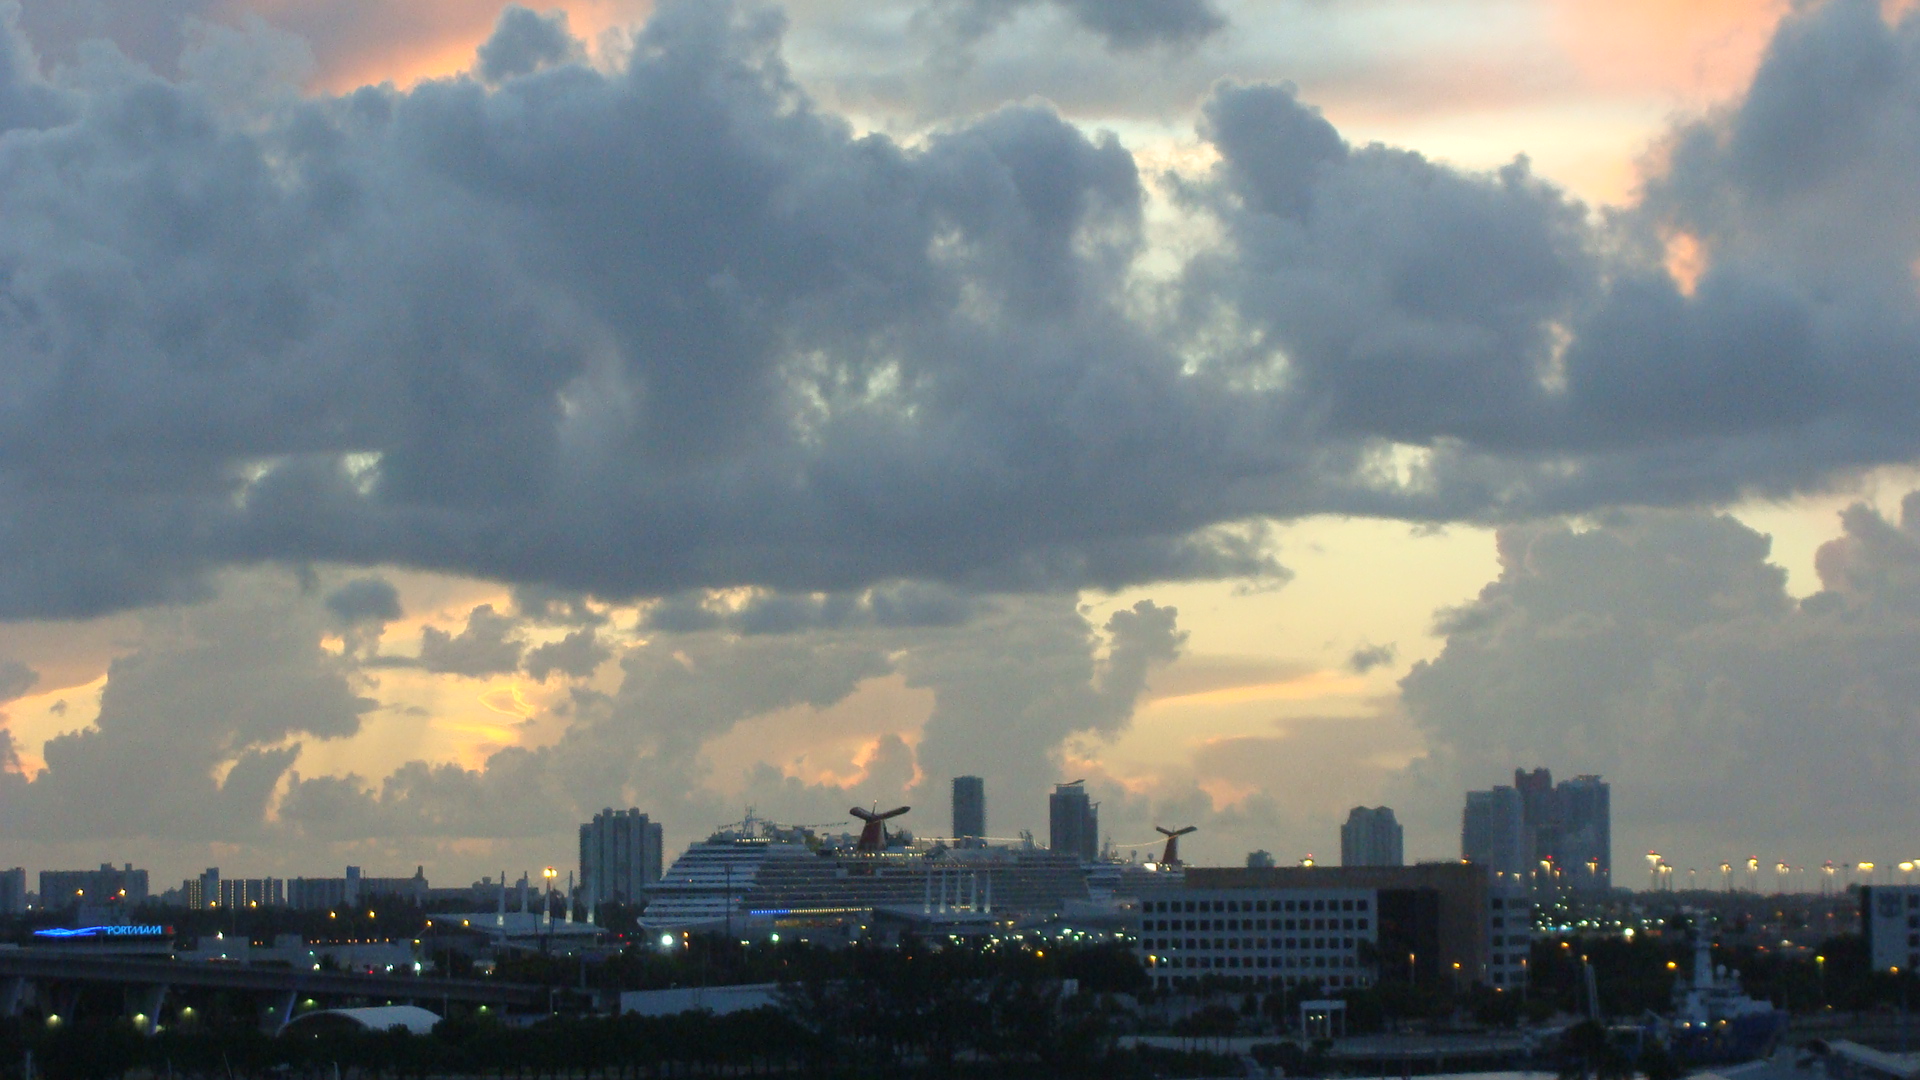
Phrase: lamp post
[546,907]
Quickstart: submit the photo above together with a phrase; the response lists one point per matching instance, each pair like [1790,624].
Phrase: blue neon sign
[104,931]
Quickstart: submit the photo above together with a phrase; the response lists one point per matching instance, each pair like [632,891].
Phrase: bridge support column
[147,1002]
[13,995]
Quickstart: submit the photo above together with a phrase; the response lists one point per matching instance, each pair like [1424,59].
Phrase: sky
[424,425]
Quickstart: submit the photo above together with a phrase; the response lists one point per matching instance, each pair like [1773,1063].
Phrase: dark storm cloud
[669,327]
[900,604]
[1125,24]
[364,600]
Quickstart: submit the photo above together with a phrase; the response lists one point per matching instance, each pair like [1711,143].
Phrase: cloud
[1662,650]
[577,654]
[365,600]
[1124,24]
[524,42]
[485,647]
[1011,684]
[196,726]
[897,604]
[16,679]
[666,325]
[1367,657]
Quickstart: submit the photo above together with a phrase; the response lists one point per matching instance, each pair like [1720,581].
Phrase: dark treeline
[853,1013]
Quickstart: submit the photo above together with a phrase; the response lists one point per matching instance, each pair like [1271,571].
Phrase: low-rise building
[1329,927]
[1890,923]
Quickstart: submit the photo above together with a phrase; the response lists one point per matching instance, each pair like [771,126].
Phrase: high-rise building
[1073,821]
[13,891]
[1371,837]
[620,852]
[1493,833]
[1565,836]
[252,892]
[969,810]
[199,892]
[1583,844]
[318,894]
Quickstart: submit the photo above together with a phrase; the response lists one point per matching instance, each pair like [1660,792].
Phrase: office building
[1890,923]
[620,854]
[1326,929]
[67,888]
[13,891]
[969,811]
[1073,821]
[1371,837]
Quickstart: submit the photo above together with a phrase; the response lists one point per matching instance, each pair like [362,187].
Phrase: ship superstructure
[761,876]
[1714,1019]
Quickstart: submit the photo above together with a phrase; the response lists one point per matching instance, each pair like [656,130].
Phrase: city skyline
[429,425]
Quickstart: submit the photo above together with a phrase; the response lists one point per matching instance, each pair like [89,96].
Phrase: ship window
[1289,905]
[1189,907]
[1495,903]
[1346,905]
[1319,905]
[1233,905]
[1260,906]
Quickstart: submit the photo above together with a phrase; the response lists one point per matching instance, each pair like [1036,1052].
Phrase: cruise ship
[758,876]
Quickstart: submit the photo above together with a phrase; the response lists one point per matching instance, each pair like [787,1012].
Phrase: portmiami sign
[152,930]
